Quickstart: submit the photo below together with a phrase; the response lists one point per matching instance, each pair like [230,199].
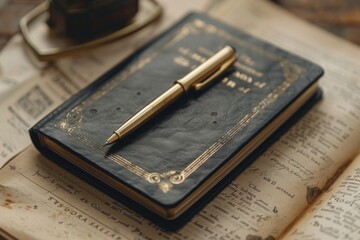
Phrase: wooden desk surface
[341,17]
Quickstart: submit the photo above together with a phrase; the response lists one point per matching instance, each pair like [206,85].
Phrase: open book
[305,186]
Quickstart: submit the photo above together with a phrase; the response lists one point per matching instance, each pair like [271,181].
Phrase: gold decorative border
[72,123]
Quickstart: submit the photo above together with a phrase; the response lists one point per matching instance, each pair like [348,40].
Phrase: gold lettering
[198,57]
[225,80]
[182,61]
[184,51]
[192,55]
[248,69]
[231,84]
[187,56]
[243,77]
[244,89]
[247,60]
[260,84]
[206,51]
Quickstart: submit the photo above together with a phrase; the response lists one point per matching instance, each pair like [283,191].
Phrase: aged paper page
[335,215]
[39,200]
[15,66]
[30,103]
[259,204]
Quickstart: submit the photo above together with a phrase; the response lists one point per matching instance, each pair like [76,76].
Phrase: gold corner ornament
[149,11]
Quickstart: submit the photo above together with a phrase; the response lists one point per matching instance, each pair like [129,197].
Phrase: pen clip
[200,86]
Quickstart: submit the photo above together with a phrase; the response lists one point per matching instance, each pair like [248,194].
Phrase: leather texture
[222,115]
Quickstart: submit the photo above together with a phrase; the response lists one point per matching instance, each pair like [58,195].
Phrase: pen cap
[212,66]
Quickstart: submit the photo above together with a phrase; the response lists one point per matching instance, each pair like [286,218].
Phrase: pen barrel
[203,74]
[207,69]
[151,110]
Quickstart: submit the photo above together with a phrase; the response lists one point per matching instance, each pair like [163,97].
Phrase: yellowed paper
[15,66]
[336,214]
[27,105]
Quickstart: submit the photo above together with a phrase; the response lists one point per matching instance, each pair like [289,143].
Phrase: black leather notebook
[173,164]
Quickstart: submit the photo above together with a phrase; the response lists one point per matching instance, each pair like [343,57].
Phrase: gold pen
[197,79]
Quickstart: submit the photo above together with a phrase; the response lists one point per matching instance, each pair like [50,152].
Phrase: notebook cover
[174,154]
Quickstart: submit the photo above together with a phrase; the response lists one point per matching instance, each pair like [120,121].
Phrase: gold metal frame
[46,54]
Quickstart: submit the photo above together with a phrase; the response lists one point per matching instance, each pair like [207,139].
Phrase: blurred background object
[341,17]
[84,19]
[10,13]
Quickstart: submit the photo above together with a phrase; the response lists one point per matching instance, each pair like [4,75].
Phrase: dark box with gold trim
[175,163]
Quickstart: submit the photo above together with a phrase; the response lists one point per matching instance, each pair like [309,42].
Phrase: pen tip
[106,143]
